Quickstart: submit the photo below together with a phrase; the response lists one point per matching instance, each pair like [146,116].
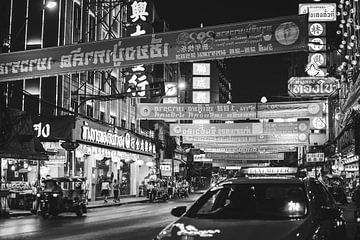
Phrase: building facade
[94,109]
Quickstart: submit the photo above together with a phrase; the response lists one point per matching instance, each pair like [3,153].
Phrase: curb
[115,204]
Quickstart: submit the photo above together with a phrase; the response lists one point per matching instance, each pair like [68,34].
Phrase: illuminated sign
[318,58]
[319,12]
[271,170]
[125,140]
[317,29]
[312,86]
[201,68]
[239,129]
[315,157]
[201,96]
[171,89]
[301,138]
[317,44]
[246,156]
[232,111]
[201,82]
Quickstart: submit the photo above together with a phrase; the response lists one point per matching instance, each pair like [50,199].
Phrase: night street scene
[187,120]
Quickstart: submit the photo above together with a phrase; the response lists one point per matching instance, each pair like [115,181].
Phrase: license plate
[12,195]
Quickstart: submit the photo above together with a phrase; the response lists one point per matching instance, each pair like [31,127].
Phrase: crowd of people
[158,187]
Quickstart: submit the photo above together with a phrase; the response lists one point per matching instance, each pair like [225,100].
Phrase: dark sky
[252,77]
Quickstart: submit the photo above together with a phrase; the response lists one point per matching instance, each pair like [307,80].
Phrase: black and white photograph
[179,120]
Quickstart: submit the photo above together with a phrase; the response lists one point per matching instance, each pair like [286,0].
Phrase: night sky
[252,77]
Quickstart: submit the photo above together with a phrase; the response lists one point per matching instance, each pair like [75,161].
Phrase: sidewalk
[91,204]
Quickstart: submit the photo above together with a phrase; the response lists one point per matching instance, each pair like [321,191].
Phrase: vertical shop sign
[139,17]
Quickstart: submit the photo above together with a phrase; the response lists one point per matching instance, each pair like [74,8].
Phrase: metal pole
[172,167]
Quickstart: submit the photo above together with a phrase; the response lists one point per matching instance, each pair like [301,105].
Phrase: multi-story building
[86,107]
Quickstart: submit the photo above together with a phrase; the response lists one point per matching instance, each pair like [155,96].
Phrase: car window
[252,201]
[322,198]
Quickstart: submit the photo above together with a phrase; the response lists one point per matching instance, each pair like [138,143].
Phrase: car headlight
[55,195]
[166,232]
[38,195]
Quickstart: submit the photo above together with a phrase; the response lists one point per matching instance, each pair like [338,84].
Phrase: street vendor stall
[21,195]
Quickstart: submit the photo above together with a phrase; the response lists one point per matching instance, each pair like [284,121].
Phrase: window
[113,85]
[322,198]
[91,29]
[252,201]
[123,123]
[90,79]
[102,81]
[77,23]
[102,116]
[89,111]
[112,120]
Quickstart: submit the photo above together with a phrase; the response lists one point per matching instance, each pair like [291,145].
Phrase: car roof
[264,179]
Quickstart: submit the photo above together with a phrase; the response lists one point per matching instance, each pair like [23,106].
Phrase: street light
[50,4]
[263,99]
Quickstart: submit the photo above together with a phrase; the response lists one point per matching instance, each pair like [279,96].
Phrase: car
[260,207]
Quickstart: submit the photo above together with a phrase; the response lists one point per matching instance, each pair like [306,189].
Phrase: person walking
[105,189]
[116,189]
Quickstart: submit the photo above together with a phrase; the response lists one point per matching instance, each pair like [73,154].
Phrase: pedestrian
[105,189]
[87,191]
[356,196]
[116,189]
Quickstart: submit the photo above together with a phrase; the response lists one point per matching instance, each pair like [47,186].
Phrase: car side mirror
[328,213]
[178,211]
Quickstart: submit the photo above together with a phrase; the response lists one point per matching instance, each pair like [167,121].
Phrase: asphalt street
[136,221]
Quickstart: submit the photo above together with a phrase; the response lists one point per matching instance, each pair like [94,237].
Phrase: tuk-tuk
[63,194]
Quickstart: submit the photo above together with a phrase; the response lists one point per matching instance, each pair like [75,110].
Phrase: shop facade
[103,152]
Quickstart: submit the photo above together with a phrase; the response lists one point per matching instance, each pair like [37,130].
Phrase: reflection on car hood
[241,229]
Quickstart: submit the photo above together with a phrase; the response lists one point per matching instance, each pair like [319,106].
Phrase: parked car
[256,208]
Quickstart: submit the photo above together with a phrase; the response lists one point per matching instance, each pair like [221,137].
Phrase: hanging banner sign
[260,37]
[253,149]
[157,111]
[238,129]
[301,109]
[312,86]
[245,156]
[301,138]
[232,111]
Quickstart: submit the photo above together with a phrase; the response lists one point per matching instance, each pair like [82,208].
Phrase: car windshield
[252,201]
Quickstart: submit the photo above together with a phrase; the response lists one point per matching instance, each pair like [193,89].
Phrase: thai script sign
[301,109]
[53,128]
[252,149]
[312,86]
[195,111]
[246,156]
[267,36]
[238,129]
[115,138]
[315,157]
[301,138]
[232,111]
[243,163]
[319,12]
